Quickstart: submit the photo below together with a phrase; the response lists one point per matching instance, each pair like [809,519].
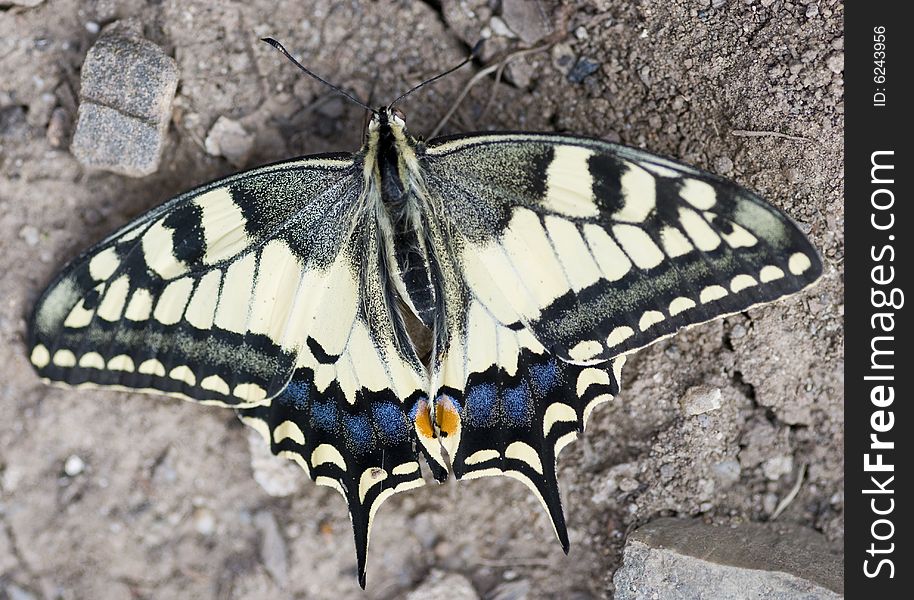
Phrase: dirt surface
[116,495]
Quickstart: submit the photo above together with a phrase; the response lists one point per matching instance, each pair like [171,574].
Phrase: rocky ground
[116,495]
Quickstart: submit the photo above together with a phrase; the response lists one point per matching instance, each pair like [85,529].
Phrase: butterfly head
[386,117]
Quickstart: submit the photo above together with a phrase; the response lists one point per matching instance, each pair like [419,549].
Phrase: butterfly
[535,262]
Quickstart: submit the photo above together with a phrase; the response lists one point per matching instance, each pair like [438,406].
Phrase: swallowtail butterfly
[537,261]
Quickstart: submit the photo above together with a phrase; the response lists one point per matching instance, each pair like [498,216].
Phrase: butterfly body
[537,262]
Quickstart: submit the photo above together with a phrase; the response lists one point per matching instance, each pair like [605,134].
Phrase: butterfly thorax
[391,156]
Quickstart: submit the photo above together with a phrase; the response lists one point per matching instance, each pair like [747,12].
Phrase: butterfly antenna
[477,49]
[335,88]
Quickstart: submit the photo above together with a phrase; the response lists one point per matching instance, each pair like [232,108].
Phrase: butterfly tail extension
[514,415]
[364,450]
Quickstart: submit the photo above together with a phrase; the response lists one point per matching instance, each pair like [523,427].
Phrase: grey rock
[686,558]
[112,141]
[126,90]
[727,472]
[526,18]
[273,553]
[444,585]
[25,3]
[131,74]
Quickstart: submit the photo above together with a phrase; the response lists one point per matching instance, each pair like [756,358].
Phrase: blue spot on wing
[296,395]
[543,378]
[324,416]
[358,433]
[516,403]
[390,421]
[480,403]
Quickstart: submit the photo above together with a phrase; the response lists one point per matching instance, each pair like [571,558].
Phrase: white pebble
[204,521]
[74,466]
[30,235]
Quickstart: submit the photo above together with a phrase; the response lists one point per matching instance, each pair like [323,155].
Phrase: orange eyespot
[446,416]
[423,420]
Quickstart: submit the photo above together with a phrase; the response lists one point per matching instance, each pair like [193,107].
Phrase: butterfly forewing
[600,249]
[195,298]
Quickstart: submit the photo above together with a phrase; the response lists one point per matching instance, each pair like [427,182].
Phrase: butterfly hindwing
[348,415]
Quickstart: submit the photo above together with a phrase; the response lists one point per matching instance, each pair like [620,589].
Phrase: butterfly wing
[265,292]
[559,246]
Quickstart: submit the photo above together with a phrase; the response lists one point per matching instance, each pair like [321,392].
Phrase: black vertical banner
[879,421]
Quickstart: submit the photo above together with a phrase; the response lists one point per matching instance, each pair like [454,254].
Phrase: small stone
[276,475]
[92,27]
[518,589]
[229,139]
[204,521]
[40,110]
[723,165]
[273,553]
[29,234]
[26,3]
[718,3]
[498,27]
[13,591]
[778,466]
[835,63]
[126,89]
[58,128]
[526,18]
[727,472]
[700,399]
[812,10]
[444,585]
[752,560]
[582,69]
[581,33]
[73,466]
[628,484]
